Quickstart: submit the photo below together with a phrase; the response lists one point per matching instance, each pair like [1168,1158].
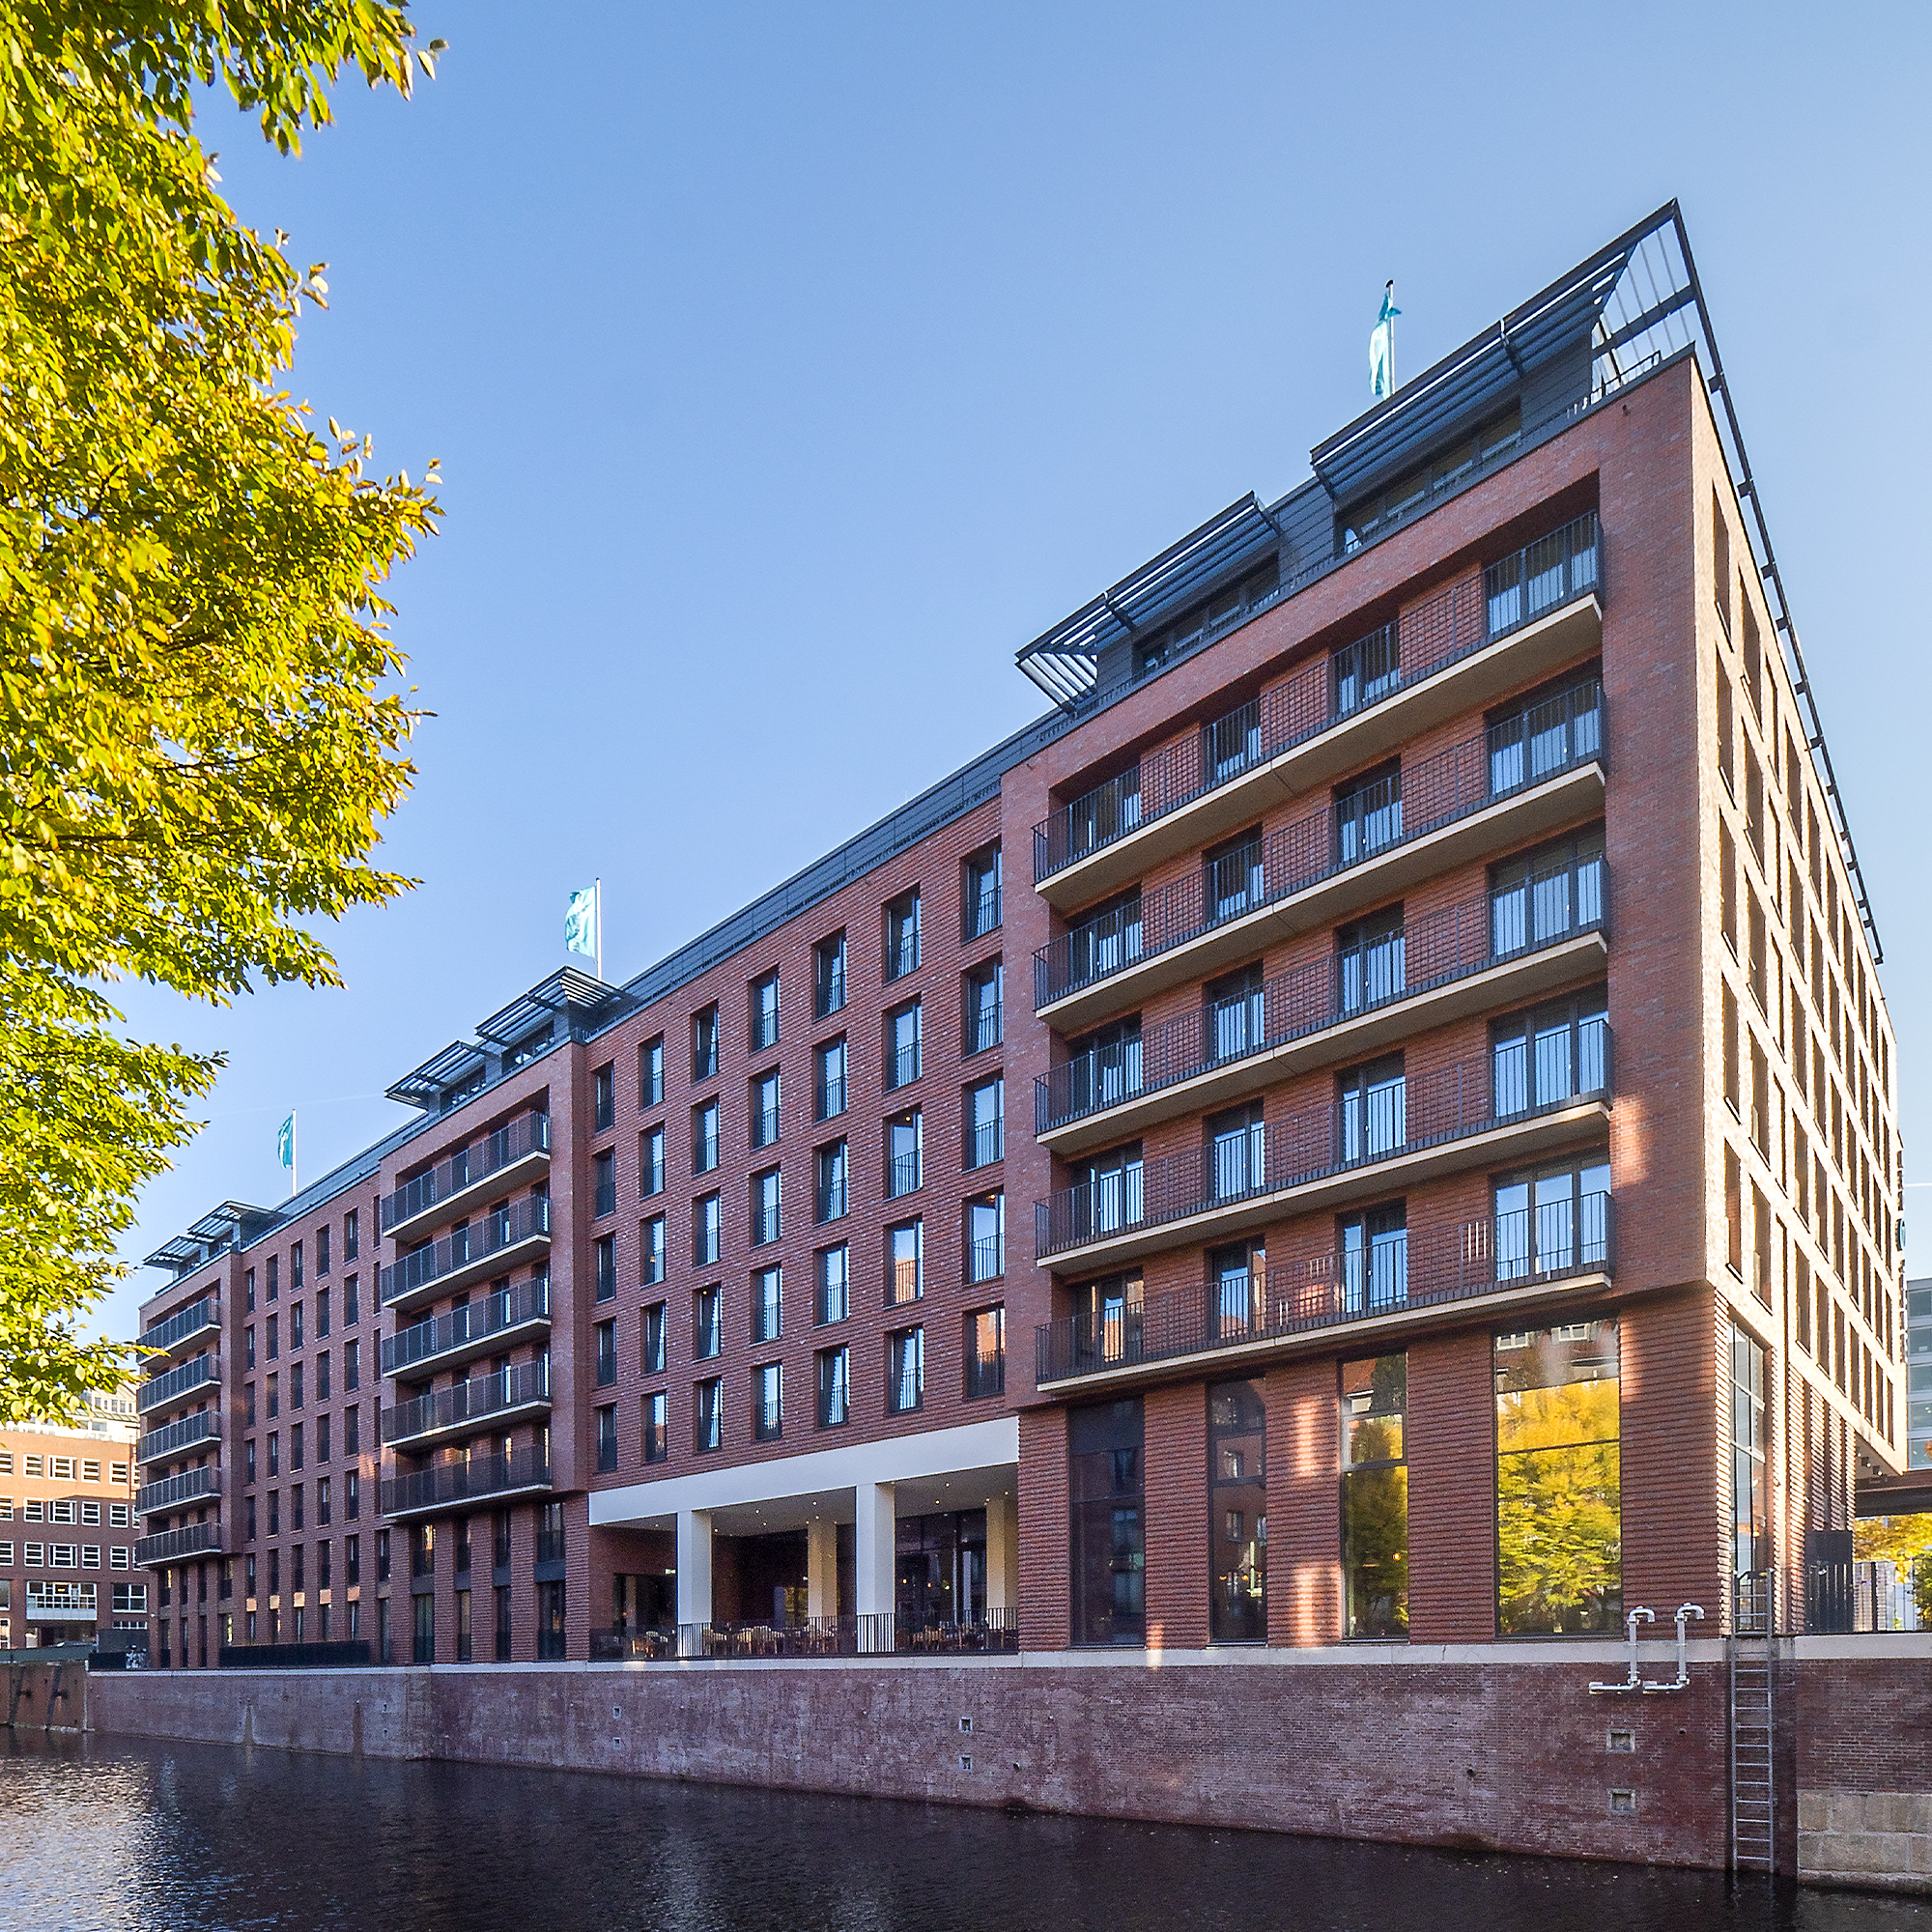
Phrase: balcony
[163,1392]
[170,1545]
[1502,948]
[202,1317]
[493,1246]
[1540,609]
[482,1400]
[1519,780]
[499,1163]
[1320,1158]
[485,1327]
[447,1486]
[171,1437]
[175,1492]
[1403,1284]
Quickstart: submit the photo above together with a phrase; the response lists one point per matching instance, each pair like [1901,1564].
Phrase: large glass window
[835,1387]
[1237,1141]
[1374,1496]
[905,1263]
[1370,961]
[829,1084]
[1109,1532]
[986,1122]
[905,1370]
[833,1290]
[1543,733]
[1368,813]
[983,1006]
[829,1194]
[1554,1219]
[1237,1279]
[1237,1512]
[1104,1066]
[1548,894]
[986,1354]
[1559,1534]
[985,1254]
[1373,1259]
[903,1046]
[902,936]
[1749,1548]
[1235,1022]
[1371,1110]
[1235,877]
[828,979]
[1550,1054]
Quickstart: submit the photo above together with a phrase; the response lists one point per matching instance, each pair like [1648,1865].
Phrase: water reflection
[141,1836]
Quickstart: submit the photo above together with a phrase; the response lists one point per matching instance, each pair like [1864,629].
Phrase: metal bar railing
[173,1490]
[168,1545]
[203,1313]
[1508,922]
[1537,743]
[158,1444]
[489,1234]
[476,1400]
[1395,1118]
[159,1390]
[466,1480]
[878,1633]
[424,1340]
[1517,589]
[1272,1301]
[527,1134]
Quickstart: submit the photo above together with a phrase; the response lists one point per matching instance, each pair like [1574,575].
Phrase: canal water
[116,1835]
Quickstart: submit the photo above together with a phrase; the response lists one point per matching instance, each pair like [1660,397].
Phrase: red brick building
[1452,1188]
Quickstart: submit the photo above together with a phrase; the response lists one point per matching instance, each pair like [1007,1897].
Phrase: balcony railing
[1538,742]
[902,1067]
[985,1143]
[1528,584]
[1269,1302]
[504,1229]
[172,1492]
[202,1313]
[880,1634]
[987,1258]
[161,1390]
[470,1479]
[170,1545]
[426,1342]
[902,1175]
[1297,1149]
[477,1400]
[526,1136]
[1510,922]
[171,1437]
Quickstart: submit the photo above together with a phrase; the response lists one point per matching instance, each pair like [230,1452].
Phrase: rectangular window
[1734,1213]
[296,1378]
[1108,1539]
[904,1044]
[827,1092]
[704,1122]
[657,1427]
[605,1250]
[606,1333]
[294,1267]
[1371,1110]
[902,935]
[1237,1512]
[985,1254]
[765,1112]
[905,1370]
[764,1020]
[984,1007]
[603,1097]
[321,1234]
[835,1387]
[604,1181]
[986,1122]
[980,907]
[704,1045]
[768,1401]
[1554,1220]
[1560,1527]
[706,1323]
[1367,815]
[651,1074]
[1546,894]
[352,1306]
[905,1263]
[1550,1054]
[654,1338]
[767,1207]
[352,1235]
[708,1412]
[1374,1496]
[1371,968]
[651,1250]
[833,1292]
[828,977]
[905,1146]
[651,1163]
[830,1195]
[1750,1548]
[986,1354]
[707,1229]
[768,1305]
[322,1315]
[607,1438]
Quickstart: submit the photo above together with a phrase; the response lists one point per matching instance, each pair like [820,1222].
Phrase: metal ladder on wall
[1754,1650]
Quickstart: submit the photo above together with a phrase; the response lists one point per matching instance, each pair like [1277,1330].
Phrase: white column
[875,1554]
[821,1568]
[1003,1553]
[694,1574]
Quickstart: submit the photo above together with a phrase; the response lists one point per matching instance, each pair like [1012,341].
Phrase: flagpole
[294,1184]
[1388,296]
[597,889]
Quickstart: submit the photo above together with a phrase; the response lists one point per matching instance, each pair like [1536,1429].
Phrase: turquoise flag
[580,923]
[285,1147]
[1381,348]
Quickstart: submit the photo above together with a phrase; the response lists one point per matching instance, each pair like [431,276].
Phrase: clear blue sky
[792,367]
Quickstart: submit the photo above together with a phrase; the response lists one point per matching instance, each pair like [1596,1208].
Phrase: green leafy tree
[199,729]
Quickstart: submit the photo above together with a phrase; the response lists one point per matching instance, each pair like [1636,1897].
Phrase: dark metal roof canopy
[565,988]
[1640,302]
